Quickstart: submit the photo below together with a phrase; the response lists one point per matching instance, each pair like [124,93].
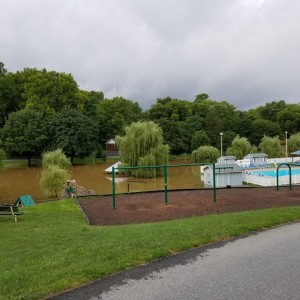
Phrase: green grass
[15,163]
[185,156]
[93,160]
[51,248]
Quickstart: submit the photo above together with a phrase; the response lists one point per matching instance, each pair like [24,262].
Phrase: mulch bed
[150,207]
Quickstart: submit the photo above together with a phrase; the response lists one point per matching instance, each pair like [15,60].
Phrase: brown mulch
[150,207]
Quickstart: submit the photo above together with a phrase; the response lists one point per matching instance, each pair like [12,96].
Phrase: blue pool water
[272,173]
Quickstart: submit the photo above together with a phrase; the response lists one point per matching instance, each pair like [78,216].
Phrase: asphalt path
[264,265]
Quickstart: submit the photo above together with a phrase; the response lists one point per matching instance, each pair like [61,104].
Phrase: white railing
[282,160]
[270,181]
[245,163]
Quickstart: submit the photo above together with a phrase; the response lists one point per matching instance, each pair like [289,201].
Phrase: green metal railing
[290,173]
[165,168]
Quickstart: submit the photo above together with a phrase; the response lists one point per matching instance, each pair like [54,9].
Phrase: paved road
[265,265]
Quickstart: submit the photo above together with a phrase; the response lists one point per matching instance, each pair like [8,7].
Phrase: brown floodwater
[15,182]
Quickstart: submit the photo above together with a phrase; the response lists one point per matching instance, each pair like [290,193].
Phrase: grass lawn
[15,163]
[51,248]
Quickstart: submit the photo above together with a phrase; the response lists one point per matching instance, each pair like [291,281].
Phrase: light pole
[286,144]
[221,135]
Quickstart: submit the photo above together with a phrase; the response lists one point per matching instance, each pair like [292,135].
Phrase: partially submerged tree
[55,171]
[74,133]
[142,145]
[205,154]
[53,179]
[25,133]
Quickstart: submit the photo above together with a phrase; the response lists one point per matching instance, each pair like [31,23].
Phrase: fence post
[166,183]
[113,188]
[214,182]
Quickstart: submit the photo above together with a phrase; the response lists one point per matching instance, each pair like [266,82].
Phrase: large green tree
[172,109]
[270,110]
[199,139]
[3,71]
[50,91]
[261,127]
[114,114]
[74,133]
[213,127]
[223,113]
[88,102]
[289,118]
[10,95]
[175,118]
[25,134]
[174,135]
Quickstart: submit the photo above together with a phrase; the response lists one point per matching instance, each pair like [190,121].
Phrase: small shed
[111,145]
[257,159]
[226,160]
[226,175]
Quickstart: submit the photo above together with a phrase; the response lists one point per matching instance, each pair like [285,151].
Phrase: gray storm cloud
[242,51]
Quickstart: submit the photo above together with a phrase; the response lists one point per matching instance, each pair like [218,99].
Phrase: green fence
[165,175]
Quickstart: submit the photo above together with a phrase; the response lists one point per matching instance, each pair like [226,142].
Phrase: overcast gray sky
[243,51]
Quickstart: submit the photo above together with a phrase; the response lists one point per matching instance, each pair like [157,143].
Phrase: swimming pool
[272,173]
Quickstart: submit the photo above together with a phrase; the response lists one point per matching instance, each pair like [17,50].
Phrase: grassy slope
[51,248]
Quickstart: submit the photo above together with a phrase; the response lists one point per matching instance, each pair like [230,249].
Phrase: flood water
[15,182]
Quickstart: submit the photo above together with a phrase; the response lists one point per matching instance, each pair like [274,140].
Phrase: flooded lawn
[15,182]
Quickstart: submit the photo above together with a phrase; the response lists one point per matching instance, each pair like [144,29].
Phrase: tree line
[44,110]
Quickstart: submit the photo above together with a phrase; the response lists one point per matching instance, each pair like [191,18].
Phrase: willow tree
[205,154]
[240,147]
[142,145]
[53,179]
[294,142]
[56,157]
[55,171]
[271,146]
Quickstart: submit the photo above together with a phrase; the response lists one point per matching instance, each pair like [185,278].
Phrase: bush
[205,154]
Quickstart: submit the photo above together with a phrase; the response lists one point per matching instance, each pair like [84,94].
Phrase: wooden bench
[12,210]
